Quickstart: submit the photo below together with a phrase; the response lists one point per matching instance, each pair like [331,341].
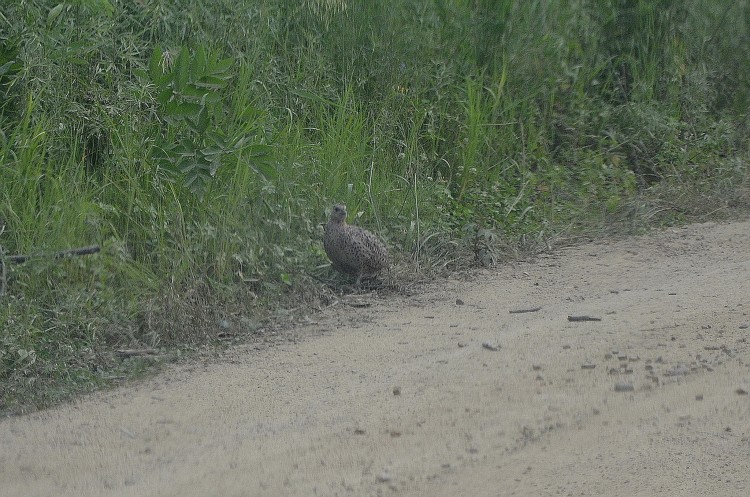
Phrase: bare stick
[583,318]
[3,276]
[521,311]
[20,259]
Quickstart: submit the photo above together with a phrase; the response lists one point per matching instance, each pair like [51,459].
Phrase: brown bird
[353,250]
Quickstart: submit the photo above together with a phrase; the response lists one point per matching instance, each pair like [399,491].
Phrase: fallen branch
[20,259]
[3,275]
[521,311]
[583,318]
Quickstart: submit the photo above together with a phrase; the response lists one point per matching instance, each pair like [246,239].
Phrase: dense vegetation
[200,143]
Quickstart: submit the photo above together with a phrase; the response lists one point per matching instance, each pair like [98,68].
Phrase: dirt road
[447,393]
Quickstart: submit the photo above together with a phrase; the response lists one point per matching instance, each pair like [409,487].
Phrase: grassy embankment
[200,144]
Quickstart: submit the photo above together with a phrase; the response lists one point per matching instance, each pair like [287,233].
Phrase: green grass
[200,143]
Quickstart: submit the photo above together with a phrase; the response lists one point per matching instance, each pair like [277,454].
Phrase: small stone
[741,391]
[536,367]
[624,387]
[744,326]
[699,396]
[459,302]
[384,477]
[588,366]
[461,345]
[489,346]
[397,390]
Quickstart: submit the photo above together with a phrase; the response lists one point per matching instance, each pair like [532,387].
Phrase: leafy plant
[189,93]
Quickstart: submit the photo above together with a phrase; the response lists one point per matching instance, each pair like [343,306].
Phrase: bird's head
[338,214]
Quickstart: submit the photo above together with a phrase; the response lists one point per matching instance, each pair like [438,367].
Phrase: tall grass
[453,128]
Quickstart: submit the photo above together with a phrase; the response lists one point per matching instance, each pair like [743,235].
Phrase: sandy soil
[447,393]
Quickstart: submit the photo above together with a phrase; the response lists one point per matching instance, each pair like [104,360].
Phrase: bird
[351,249]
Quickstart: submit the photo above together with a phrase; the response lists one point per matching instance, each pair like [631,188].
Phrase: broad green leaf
[199,63]
[212,151]
[164,96]
[192,125]
[200,122]
[211,98]
[154,65]
[215,165]
[217,137]
[182,69]
[183,109]
[197,179]
[194,167]
[192,91]
[54,13]
[6,67]
[211,82]
[203,120]
[187,147]
[267,170]
[222,67]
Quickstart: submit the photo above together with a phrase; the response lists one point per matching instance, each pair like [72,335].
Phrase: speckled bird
[353,250]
